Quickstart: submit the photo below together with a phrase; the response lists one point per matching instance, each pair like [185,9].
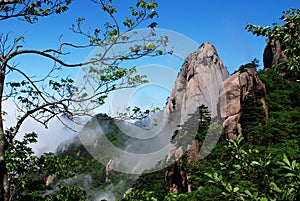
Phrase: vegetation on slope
[263,164]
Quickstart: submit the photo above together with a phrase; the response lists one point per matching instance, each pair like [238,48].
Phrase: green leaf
[128,22]
[208,175]
[236,189]
[237,166]
[286,160]
[289,175]
[248,193]
[294,164]
[253,163]
[21,38]
[150,47]
[159,52]
[215,175]
[228,187]
[274,187]
[290,191]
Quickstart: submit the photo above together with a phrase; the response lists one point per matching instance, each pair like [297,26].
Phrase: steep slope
[203,80]
[198,83]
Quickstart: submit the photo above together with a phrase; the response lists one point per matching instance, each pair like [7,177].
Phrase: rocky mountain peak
[206,54]
[198,82]
[203,79]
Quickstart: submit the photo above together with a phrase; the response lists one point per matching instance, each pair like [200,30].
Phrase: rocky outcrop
[197,83]
[49,180]
[175,175]
[273,54]
[203,79]
[274,50]
[237,88]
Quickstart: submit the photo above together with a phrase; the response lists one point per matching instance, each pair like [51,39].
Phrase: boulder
[273,54]
[237,88]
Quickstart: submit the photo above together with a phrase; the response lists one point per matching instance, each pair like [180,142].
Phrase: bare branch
[30,112]
[45,54]
[30,81]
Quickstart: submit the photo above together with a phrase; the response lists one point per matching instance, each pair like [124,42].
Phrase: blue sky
[222,23]
[219,22]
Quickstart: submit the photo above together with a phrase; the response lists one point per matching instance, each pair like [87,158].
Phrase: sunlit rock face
[237,89]
[198,82]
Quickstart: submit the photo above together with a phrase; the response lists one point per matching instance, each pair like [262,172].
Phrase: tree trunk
[3,171]
[4,186]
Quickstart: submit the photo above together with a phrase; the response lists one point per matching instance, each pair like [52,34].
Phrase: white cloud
[48,139]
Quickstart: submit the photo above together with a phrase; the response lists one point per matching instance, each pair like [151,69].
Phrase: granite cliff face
[273,54]
[203,79]
[198,82]
[237,89]
[274,50]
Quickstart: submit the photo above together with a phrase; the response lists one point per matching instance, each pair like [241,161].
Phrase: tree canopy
[54,96]
[263,163]
[288,35]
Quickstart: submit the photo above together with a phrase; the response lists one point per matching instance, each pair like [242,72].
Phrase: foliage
[253,114]
[77,174]
[136,113]
[288,36]
[157,186]
[140,195]
[253,64]
[195,127]
[283,106]
[66,193]
[28,173]
[31,10]
[263,163]
[249,176]
[92,176]
[53,96]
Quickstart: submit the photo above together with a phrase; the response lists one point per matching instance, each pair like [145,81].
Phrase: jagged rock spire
[198,82]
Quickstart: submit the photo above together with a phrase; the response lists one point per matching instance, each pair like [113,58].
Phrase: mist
[48,138]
